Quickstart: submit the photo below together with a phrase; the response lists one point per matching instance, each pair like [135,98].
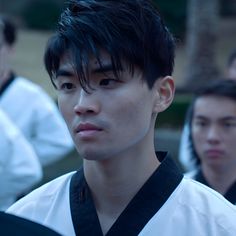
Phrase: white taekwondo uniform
[19,166]
[197,175]
[37,116]
[167,204]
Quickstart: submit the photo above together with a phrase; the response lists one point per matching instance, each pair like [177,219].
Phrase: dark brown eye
[109,83]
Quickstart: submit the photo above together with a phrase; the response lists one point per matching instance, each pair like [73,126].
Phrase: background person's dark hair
[129,30]
[219,88]
[9,30]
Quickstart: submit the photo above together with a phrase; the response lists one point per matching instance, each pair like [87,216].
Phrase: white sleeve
[52,140]
[19,165]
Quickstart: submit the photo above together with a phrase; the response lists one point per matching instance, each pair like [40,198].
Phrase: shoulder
[47,204]
[31,94]
[23,85]
[26,84]
[198,209]
[207,203]
[43,197]
[200,193]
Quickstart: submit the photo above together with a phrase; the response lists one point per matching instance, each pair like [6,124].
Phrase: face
[117,115]
[214,131]
[231,73]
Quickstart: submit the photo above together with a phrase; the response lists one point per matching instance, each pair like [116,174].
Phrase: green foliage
[174,14]
[42,14]
[174,116]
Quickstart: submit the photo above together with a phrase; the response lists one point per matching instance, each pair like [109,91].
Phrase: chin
[91,155]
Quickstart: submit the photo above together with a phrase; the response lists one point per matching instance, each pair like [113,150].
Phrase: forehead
[214,107]
[68,60]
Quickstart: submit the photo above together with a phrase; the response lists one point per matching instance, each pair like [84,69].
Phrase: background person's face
[214,131]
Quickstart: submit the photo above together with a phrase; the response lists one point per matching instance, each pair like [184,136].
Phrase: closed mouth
[87,127]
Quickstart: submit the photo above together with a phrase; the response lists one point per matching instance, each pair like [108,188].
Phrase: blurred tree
[228,8]
[201,39]
[41,14]
[174,14]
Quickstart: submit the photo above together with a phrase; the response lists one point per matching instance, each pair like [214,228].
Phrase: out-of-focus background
[205,33]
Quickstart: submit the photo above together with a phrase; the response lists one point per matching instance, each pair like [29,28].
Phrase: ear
[164,90]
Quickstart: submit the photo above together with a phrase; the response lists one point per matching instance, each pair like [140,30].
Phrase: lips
[214,152]
[86,127]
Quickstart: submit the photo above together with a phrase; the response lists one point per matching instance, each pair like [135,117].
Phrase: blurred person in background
[212,123]
[29,107]
[184,152]
[20,169]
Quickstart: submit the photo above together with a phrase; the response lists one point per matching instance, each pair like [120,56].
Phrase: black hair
[9,30]
[218,88]
[231,58]
[129,30]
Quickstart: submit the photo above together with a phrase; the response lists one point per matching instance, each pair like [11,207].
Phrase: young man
[20,168]
[212,122]
[184,152]
[29,107]
[111,63]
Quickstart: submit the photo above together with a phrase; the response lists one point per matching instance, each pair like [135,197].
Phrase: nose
[213,135]
[86,103]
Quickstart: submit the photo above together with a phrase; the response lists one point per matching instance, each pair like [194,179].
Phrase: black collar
[150,198]
[230,195]
[7,83]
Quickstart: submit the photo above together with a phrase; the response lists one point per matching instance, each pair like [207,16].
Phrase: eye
[229,124]
[200,123]
[109,82]
[66,87]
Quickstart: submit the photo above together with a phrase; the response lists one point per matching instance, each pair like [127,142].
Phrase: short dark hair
[127,29]
[9,30]
[218,88]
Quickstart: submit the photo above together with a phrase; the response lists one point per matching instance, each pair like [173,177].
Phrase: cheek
[66,109]
[198,139]
[132,113]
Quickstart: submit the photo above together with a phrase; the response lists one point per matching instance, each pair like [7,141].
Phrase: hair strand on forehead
[128,30]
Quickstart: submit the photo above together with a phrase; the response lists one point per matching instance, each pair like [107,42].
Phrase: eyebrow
[62,72]
[225,118]
[228,118]
[103,69]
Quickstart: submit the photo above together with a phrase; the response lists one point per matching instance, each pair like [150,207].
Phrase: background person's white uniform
[37,116]
[19,165]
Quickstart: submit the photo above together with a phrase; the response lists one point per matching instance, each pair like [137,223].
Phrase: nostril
[90,111]
[78,109]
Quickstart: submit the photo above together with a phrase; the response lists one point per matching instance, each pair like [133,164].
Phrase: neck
[219,179]
[115,182]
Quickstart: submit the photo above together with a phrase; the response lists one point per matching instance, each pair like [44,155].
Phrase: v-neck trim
[149,199]
[7,83]
[230,194]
